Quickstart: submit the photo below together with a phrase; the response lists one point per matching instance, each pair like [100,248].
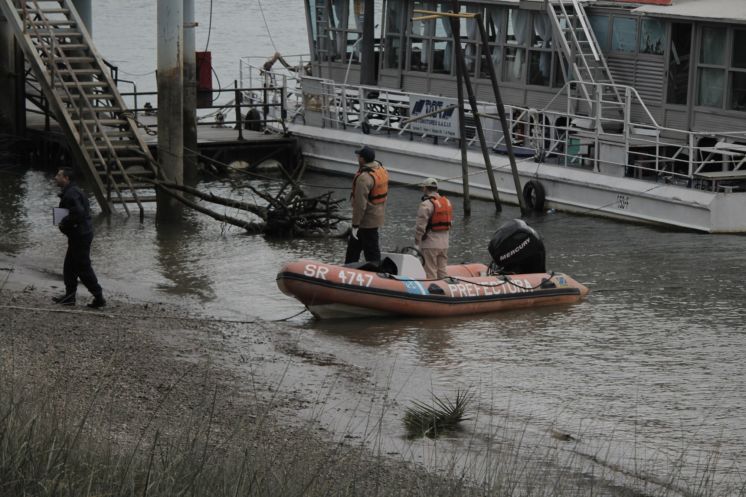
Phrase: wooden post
[501,113]
[462,126]
[475,111]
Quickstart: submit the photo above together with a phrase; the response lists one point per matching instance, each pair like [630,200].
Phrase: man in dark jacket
[78,228]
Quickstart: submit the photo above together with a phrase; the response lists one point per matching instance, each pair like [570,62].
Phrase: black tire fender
[534,195]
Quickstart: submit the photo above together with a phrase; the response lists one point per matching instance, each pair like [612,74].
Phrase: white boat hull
[569,189]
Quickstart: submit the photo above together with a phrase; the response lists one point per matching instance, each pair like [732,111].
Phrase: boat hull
[567,189]
[338,291]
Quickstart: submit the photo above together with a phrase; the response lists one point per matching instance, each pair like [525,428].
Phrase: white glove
[354,232]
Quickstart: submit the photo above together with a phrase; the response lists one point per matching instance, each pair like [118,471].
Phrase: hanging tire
[534,195]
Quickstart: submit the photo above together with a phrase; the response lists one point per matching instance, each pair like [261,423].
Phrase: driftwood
[286,214]
[250,227]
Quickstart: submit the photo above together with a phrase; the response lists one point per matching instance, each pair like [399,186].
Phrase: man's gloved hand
[353,233]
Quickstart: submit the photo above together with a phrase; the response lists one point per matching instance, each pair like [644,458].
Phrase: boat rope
[266,26]
[209,28]
[107,315]
[506,280]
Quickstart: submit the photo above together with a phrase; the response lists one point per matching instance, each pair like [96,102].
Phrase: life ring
[534,195]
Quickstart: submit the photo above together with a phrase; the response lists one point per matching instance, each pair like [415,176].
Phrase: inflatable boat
[398,286]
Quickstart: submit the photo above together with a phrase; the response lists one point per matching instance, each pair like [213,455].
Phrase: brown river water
[648,373]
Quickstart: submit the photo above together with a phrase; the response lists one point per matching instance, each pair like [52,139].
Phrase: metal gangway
[101,132]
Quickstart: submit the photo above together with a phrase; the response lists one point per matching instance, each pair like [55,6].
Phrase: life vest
[380,189]
[442,214]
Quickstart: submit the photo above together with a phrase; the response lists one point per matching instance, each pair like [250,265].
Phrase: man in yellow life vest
[370,188]
[434,218]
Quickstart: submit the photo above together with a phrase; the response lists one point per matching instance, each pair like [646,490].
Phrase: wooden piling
[475,112]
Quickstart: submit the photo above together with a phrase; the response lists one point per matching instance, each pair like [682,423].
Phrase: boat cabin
[681,56]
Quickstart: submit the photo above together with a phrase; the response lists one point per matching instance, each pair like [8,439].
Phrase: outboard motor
[517,248]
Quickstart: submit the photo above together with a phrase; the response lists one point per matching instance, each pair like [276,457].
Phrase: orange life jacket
[380,189]
[442,214]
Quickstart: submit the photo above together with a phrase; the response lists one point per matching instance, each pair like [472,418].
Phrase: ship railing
[279,83]
[614,137]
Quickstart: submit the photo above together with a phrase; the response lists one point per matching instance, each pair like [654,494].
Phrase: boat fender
[534,195]
[365,127]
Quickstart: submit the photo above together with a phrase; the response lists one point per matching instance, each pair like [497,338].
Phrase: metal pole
[462,126]
[477,121]
[170,79]
[367,49]
[239,120]
[501,113]
[8,70]
[190,93]
[85,11]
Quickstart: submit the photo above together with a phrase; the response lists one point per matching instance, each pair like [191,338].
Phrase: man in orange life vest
[434,218]
[370,188]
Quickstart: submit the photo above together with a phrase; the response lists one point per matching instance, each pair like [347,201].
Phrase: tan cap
[430,182]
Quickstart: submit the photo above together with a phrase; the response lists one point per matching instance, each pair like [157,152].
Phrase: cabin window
[540,52]
[443,43]
[600,27]
[419,42]
[711,78]
[737,97]
[679,63]
[624,35]
[494,26]
[652,36]
[514,54]
[345,30]
[470,38]
[394,30]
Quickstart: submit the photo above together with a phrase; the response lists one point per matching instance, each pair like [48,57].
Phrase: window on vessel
[624,35]
[600,27]
[679,62]
[442,43]
[652,36]
[470,38]
[355,13]
[494,26]
[419,39]
[711,72]
[394,30]
[517,37]
[540,52]
[737,97]
[315,16]
[337,36]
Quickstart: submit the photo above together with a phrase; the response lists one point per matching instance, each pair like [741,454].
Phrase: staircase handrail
[88,106]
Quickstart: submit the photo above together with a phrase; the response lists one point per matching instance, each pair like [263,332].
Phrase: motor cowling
[517,248]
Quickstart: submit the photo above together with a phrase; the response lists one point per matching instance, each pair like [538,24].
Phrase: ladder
[84,99]
[582,54]
[323,40]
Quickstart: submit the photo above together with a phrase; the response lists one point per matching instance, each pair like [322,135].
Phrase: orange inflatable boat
[515,279]
[329,290]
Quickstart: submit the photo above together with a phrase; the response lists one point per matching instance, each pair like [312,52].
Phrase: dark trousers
[78,265]
[366,242]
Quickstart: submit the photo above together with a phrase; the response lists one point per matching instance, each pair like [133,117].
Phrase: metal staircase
[85,101]
[584,60]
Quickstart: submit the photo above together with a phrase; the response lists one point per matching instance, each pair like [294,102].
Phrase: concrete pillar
[7,77]
[190,93]
[171,89]
[367,50]
[85,11]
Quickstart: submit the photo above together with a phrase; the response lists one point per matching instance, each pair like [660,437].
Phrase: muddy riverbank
[137,369]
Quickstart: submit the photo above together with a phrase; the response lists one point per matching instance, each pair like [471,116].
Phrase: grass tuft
[443,415]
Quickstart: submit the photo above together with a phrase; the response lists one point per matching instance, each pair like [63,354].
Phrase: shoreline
[139,371]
